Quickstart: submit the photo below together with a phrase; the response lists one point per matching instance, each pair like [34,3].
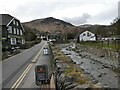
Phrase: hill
[49,24]
[102,30]
[52,25]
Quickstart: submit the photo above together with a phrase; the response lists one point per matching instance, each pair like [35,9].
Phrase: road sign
[41,74]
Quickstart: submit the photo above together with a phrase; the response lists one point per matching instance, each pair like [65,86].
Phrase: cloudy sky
[77,12]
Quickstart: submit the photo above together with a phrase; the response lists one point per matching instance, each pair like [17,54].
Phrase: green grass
[99,44]
[72,70]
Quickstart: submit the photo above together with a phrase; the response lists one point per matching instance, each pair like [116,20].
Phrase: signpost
[41,74]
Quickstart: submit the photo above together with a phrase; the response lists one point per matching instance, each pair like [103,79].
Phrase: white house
[87,36]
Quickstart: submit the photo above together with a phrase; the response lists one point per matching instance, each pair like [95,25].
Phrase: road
[21,64]
[29,81]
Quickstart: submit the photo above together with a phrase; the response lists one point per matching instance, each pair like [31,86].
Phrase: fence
[111,44]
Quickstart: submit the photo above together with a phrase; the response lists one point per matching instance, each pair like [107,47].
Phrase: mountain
[116,27]
[53,25]
[102,30]
[50,25]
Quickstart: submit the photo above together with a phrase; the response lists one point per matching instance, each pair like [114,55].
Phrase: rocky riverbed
[79,72]
[97,71]
[105,56]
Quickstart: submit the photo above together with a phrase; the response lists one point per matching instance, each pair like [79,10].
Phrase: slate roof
[5,19]
[86,31]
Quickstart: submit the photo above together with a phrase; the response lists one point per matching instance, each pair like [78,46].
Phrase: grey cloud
[34,11]
[42,8]
[109,14]
[78,20]
[39,9]
[119,9]
[106,16]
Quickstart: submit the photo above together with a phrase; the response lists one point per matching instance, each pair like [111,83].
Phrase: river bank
[69,73]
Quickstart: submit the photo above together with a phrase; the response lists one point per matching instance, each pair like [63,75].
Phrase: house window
[21,33]
[23,41]
[17,31]
[84,34]
[10,29]
[17,23]
[14,30]
[13,41]
[19,41]
[88,34]
[14,22]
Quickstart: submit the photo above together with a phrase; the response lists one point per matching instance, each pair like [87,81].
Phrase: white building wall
[87,36]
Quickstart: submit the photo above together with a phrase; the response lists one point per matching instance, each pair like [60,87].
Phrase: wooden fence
[111,44]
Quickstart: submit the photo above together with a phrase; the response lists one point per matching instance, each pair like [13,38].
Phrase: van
[45,51]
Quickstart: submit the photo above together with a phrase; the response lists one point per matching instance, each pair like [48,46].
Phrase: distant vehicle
[41,74]
[45,51]
[45,39]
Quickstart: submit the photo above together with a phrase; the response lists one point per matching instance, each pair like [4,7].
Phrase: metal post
[108,42]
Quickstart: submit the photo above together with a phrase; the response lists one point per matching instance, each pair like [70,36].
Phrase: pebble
[100,75]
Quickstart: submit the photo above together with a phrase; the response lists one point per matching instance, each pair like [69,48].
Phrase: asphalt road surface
[29,81]
[17,69]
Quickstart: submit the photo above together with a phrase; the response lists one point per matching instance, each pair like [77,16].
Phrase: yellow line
[20,79]
[24,75]
[38,54]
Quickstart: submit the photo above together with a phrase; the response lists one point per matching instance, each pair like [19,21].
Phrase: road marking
[38,53]
[24,73]
[20,79]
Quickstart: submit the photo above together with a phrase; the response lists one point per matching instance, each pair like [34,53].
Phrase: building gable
[12,24]
[87,36]
[5,18]
[8,19]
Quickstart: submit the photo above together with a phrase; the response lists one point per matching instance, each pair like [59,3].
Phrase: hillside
[50,25]
[53,25]
[102,30]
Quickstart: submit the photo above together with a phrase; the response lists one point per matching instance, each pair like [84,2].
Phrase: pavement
[23,64]
[52,82]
